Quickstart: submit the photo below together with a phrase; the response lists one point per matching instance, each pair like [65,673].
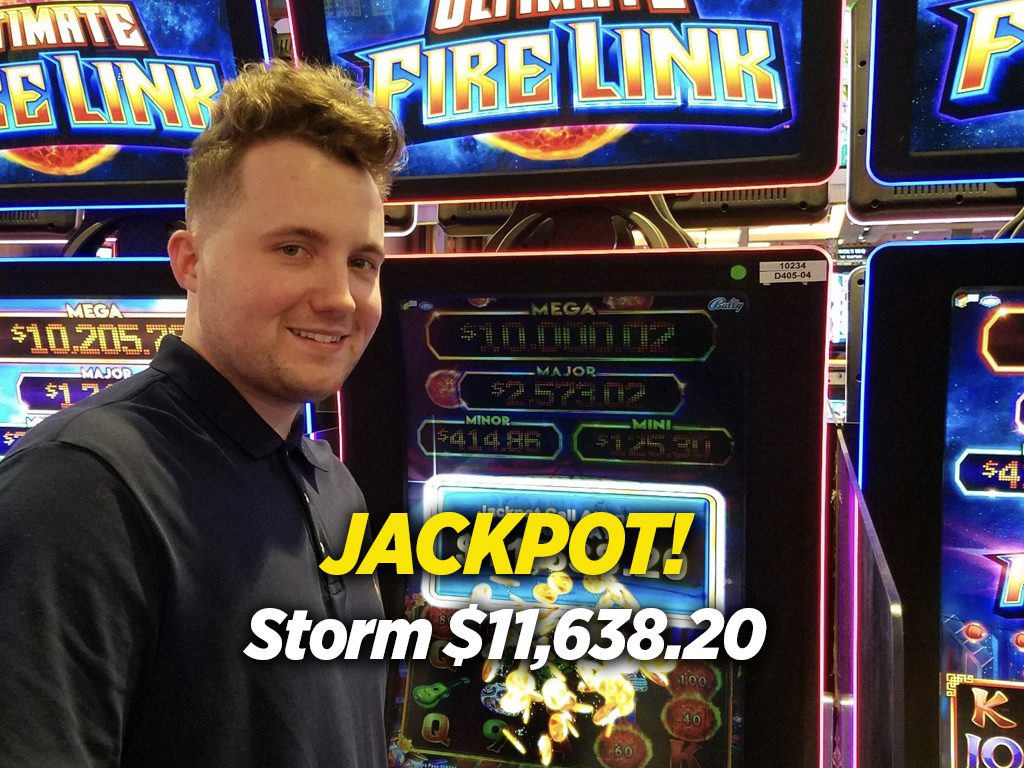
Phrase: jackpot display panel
[100,101]
[946,102]
[71,327]
[535,99]
[941,439]
[624,382]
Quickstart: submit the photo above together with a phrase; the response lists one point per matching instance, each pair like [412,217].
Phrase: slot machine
[938,102]
[940,447]
[631,388]
[935,112]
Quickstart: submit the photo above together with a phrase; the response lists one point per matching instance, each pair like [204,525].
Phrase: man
[140,531]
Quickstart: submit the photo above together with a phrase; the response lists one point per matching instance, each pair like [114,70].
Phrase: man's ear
[182,250]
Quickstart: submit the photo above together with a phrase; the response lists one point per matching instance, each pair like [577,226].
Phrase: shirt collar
[223,404]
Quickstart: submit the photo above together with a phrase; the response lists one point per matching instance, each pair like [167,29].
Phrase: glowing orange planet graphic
[563,143]
[69,160]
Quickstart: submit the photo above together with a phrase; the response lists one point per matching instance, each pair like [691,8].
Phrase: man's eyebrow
[306,233]
[371,249]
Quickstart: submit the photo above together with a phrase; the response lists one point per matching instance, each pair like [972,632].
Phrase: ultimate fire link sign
[514,64]
[82,72]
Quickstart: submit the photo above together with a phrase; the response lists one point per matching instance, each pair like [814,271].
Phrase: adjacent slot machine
[621,382]
[941,441]
[936,111]
[71,327]
[960,117]
[102,100]
[98,105]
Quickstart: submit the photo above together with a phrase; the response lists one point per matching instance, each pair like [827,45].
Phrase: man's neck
[278,415]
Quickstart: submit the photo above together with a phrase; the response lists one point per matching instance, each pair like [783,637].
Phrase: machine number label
[793,272]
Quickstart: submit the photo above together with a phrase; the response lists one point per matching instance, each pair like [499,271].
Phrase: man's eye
[292,250]
[363,263]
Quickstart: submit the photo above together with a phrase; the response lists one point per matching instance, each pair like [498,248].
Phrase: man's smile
[323,338]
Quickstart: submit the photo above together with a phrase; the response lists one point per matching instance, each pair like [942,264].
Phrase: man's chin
[315,394]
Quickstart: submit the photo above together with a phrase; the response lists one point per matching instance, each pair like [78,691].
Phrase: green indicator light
[738,272]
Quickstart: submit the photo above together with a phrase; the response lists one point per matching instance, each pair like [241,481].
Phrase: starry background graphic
[932,131]
[979,414]
[392,20]
[197,30]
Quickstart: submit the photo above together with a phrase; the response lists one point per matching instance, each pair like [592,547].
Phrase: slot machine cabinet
[520,381]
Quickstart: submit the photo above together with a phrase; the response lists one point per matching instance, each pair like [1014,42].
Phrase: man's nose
[333,291]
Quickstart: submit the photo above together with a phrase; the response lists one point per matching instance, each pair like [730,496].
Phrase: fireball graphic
[562,143]
[67,160]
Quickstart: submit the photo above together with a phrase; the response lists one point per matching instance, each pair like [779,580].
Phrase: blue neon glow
[263,22]
[865,340]
[114,206]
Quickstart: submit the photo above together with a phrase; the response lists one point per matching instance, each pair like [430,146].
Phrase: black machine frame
[103,278]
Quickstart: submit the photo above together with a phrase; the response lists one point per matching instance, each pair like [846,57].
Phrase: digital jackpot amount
[573,405]
[982,597]
[57,352]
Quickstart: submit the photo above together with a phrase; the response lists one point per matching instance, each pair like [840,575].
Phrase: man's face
[286,290]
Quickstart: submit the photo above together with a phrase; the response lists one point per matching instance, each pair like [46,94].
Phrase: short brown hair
[317,105]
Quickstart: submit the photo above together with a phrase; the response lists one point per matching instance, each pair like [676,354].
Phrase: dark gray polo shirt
[139,533]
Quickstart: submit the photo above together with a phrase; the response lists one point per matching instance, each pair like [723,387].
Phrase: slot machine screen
[99,102]
[68,329]
[630,392]
[940,445]
[982,544]
[523,99]
[946,102]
